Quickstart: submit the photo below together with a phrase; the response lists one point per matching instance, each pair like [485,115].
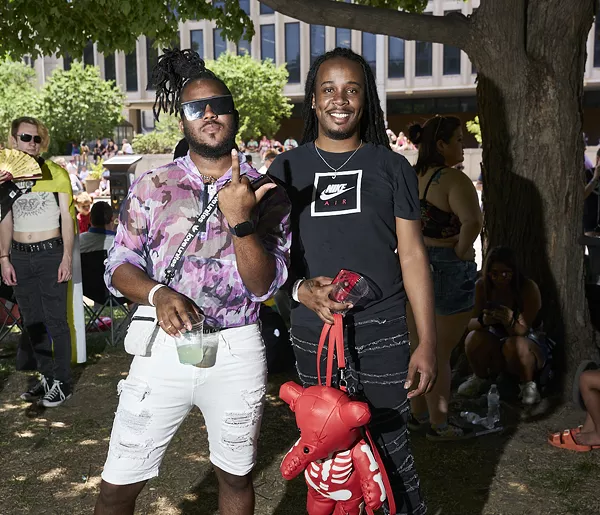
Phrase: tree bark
[530,109]
[530,58]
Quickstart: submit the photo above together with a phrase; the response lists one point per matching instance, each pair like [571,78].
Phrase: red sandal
[566,440]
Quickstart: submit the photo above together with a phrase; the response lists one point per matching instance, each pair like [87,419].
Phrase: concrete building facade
[415,79]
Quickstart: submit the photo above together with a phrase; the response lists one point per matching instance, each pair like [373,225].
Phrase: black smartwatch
[244,229]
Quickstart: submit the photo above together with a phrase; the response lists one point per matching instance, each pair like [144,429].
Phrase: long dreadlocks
[372,124]
[174,70]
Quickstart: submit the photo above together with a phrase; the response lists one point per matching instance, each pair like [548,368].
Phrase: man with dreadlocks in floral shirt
[237,261]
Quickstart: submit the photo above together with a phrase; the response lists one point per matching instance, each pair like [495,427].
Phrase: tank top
[435,222]
[36,211]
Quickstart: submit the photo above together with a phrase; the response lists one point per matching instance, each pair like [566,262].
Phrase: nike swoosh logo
[329,196]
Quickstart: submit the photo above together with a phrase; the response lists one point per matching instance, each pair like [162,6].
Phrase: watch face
[243,229]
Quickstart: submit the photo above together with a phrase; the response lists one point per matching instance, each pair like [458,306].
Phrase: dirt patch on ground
[52,459]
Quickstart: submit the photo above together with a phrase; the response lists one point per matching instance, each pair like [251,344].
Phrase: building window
[317,42]
[265,9]
[88,54]
[67,61]
[151,60]
[369,50]
[243,46]
[451,56]
[197,41]
[395,58]
[423,59]
[267,42]
[292,51]
[131,78]
[219,44]
[597,42]
[343,38]
[110,71]
[245,5]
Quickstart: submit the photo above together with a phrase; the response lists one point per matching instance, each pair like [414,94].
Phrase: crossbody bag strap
[197,227]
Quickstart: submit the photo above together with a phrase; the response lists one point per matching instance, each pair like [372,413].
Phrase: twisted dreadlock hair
[372,123]
[174,70]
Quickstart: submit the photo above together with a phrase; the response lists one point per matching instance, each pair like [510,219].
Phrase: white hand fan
[19,164]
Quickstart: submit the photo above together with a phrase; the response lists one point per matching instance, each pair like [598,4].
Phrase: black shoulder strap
[197,227]
[430,181]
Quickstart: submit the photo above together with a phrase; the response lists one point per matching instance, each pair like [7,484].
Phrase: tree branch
[451,30]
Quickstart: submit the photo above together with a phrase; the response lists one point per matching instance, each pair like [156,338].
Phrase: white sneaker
[530,394]
[471,387]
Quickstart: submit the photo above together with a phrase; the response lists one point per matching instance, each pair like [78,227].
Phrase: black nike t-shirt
[347,220]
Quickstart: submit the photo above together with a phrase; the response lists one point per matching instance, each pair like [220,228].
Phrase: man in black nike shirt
[355,206]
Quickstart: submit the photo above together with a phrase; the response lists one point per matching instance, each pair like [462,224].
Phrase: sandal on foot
[566,440]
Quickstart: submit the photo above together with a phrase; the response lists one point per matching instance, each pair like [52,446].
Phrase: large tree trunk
[529,93]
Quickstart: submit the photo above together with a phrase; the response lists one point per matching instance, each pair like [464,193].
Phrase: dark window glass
[131,78]
[265,9]
[597,42]
[451,56]
[447,105]
[343,38]
[245,5]
[67,62]
[197,41]
[151,60]
[267,42]
[317,42]
[369,50]
[110,72]
[219,44]
[395,58]
[423,59]
[243,46]
[292,51]
[88,54]
[451,60]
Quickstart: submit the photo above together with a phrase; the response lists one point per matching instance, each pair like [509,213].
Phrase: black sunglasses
[26,138]
[195,109]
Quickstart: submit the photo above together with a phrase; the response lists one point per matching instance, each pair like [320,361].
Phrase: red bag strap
[384,475]
[336,342]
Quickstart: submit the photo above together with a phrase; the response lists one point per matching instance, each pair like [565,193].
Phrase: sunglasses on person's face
[26,138]
[506,275]
[219,105]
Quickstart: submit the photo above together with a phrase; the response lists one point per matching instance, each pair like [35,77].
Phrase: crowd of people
[345,199]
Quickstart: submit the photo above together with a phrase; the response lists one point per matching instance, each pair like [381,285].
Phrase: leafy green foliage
[257,87]
[78,104]
[162,140]
[474,128]
[19,96]
[45,27]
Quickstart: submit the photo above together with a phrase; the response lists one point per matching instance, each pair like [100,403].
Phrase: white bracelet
[295,289]
[154,289]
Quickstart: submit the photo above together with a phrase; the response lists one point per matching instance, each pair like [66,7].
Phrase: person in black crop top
[354,204]
[451,221]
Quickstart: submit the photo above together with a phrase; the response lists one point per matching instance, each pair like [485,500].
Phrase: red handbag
[341,465]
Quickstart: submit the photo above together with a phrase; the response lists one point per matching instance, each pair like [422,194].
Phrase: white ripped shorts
[159,392]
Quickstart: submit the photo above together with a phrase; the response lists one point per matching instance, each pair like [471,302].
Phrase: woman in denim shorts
[451,221]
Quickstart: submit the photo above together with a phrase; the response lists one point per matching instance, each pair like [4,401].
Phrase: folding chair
[94,288]
[9,319]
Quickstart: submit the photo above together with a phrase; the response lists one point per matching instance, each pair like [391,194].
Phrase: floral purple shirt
[160,209]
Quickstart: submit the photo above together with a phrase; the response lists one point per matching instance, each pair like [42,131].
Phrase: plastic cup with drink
[194,347]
